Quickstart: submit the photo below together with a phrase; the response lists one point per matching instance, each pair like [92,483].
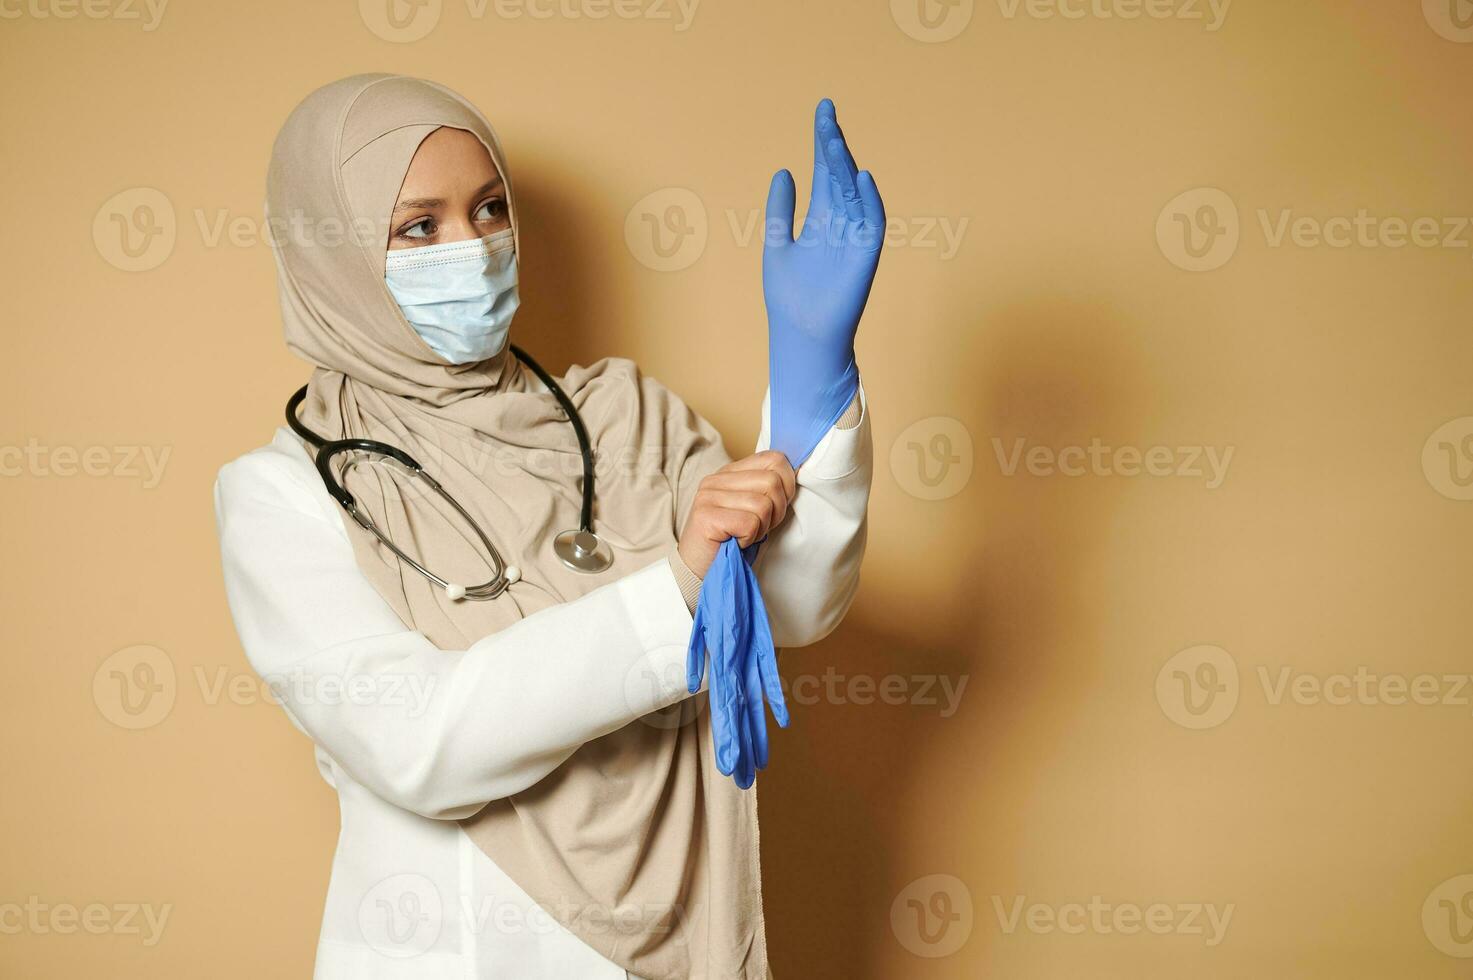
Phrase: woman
[527,788]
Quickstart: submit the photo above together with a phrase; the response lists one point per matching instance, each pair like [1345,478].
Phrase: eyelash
[497,205]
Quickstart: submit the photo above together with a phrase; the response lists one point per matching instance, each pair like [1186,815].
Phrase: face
[452,193]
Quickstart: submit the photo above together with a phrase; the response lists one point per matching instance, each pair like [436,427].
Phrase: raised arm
[809,566]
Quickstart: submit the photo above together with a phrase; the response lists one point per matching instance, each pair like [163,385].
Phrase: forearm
[433,731]
[441,733]
[809,567]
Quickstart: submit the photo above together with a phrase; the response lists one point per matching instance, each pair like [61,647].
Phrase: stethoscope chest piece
[583,551]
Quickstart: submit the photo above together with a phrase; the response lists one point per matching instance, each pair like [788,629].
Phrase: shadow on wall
[862,799]
[558,328]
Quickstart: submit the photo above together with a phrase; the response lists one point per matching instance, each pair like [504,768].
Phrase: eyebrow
[429,203]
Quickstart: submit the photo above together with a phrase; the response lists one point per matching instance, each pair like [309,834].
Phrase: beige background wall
[1328,815]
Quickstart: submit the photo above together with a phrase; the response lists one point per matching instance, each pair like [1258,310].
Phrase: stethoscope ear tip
[456,592]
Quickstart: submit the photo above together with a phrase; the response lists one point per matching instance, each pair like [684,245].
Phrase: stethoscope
[579,549]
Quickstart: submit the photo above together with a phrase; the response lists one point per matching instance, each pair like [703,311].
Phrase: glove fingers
[767,659]
[723,734]
[742,690]
[781,200]
[695,654]
[841,165]
[832,131]
[764,654]
[824,126]
[723,628]
[756,717]
[745,770]
[874,210]
[757,648]
[823,111]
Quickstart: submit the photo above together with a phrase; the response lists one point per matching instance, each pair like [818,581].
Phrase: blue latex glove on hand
[815,290]
[816,287]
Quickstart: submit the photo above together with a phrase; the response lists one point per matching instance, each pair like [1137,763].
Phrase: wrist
[686,579]
[852,414]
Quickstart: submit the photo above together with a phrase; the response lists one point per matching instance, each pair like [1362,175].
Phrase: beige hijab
[636,843]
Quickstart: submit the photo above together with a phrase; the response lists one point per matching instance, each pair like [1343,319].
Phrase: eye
[417,230]
[492,210]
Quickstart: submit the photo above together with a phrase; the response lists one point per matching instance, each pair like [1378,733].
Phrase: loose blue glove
[815,290]
[731,622]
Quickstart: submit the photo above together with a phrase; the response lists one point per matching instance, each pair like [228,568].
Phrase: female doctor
[527,788]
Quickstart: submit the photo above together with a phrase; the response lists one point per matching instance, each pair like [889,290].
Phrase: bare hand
[745,499]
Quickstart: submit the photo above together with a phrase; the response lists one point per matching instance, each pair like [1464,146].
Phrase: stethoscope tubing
[324,451]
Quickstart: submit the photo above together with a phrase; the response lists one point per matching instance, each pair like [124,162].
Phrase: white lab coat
[413,737]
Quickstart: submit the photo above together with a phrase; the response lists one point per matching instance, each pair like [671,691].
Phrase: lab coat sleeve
[809,567]
[436,732]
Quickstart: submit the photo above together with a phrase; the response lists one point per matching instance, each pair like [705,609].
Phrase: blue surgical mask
[459,297]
